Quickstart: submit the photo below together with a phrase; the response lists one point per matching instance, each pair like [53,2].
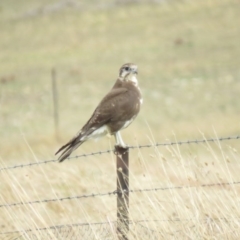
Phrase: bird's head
[128,72]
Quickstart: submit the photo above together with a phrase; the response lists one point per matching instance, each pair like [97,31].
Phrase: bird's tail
[69,148]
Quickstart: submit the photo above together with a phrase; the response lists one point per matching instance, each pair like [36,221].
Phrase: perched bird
[116,111]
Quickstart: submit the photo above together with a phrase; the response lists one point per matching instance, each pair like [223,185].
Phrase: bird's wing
[110,106]
[102,115]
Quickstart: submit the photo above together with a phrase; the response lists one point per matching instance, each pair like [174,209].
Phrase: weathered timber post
[55,103]
[122,193]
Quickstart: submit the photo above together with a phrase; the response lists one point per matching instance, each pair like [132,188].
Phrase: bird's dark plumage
[115,112]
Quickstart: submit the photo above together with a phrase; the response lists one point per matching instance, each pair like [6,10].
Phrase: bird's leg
[119,141]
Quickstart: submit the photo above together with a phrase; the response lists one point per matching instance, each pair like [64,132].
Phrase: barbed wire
[68,227]
[54,227]
[183,187]
[53,160]
[58,199]
[197,141]
[59,226]
[116,192]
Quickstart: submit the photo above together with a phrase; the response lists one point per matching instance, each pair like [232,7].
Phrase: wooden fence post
[55,103]
[122,192]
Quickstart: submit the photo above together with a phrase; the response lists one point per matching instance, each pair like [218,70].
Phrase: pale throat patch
[133,79]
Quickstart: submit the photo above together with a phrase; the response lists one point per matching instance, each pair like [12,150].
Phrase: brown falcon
[115,112]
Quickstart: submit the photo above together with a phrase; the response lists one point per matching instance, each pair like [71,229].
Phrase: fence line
[186,142]
[53,227]
[58,199]
[115,192]
[120,192]
[57,226]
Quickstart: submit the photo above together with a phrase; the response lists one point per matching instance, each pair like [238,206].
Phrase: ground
[188,55]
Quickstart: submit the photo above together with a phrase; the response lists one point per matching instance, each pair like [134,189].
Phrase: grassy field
[188,55]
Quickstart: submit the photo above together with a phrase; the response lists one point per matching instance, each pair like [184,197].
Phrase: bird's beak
[135,71]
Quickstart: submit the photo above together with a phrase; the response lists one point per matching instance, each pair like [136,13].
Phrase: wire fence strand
[106,230]
[131,222]
[221,184]
[197,141]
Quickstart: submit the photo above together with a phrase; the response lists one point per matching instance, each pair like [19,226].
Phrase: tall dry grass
[188,57]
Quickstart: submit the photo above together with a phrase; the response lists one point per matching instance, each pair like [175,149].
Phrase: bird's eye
[127,68]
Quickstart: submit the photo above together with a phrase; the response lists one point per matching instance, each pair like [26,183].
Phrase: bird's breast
[127,123]
[98,132]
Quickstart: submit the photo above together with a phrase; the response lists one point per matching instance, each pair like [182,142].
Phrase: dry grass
[188,56]
[203,211]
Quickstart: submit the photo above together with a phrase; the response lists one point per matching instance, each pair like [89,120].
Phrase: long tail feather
[69,147]
[63,147]
[67,152]
[74,143]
